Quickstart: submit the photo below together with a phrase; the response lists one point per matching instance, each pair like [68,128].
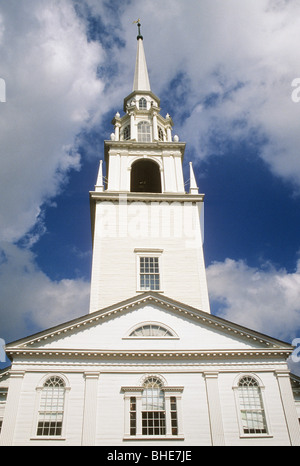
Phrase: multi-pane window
[160,134]
[51,411]
[173,411]
[151,330]
[144,132]
[132,415]
[126,133]
[251,406]
[149,273]
[142,103]
[153,408]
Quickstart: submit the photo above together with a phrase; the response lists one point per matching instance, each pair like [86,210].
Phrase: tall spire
[141,78]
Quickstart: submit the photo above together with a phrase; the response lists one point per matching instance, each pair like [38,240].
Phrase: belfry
[144,215]
[148,364]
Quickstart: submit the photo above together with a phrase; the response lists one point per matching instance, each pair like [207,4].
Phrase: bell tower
[146,228]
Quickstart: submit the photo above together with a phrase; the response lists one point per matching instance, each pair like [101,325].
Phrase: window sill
[256,435]
[145,291]
[153,437]
[47,437]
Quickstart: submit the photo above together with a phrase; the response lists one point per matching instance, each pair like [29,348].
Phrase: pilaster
[11,408]
[289,408]
[214,408]
[90,408]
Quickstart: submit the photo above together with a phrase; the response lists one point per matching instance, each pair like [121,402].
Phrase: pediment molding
[210,321]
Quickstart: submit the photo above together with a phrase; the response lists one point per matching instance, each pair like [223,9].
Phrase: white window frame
[126,133]
[3,400]
[235,387]
[37,409]
[155,253]
[144,136]
[160,133]
[173,335]
[137,393]
[142,103]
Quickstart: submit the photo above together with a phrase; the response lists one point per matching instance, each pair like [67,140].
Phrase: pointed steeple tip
[138,22]
[141,77]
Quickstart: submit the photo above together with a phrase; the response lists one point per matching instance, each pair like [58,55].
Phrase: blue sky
[224,71]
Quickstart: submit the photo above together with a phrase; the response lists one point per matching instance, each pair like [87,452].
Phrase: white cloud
[265,299]
[52,91]
[30,300]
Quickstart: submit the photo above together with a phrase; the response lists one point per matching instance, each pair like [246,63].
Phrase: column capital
[16,374]
[211,374]
[91,375]
[282,373]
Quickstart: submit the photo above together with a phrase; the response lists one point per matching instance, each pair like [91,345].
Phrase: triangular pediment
[106,333]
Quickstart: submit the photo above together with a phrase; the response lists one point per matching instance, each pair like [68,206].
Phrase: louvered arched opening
[145,177]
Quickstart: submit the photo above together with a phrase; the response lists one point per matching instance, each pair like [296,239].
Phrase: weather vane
[138,22]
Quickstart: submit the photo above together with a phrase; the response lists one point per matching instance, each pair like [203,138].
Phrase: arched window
[126,133]
[151,330]
[142,103]
[251,406]
[160,133]
[153,408]
[50,417]
[144,132]
[145,176]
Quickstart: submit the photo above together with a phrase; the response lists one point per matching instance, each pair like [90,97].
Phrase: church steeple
[143,214]
[141,89]
[141,78]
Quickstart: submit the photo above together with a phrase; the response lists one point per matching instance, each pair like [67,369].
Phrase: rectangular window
[126,133]
[149,273]
[51,425]
[173,411]
[153,423]
[132,415]
[144,132]
[3,398]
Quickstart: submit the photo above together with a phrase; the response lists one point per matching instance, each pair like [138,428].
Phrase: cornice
[139,144]
[145,197]
[150,354]
[140,388]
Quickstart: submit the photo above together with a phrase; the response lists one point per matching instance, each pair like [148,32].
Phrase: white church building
[148,364]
